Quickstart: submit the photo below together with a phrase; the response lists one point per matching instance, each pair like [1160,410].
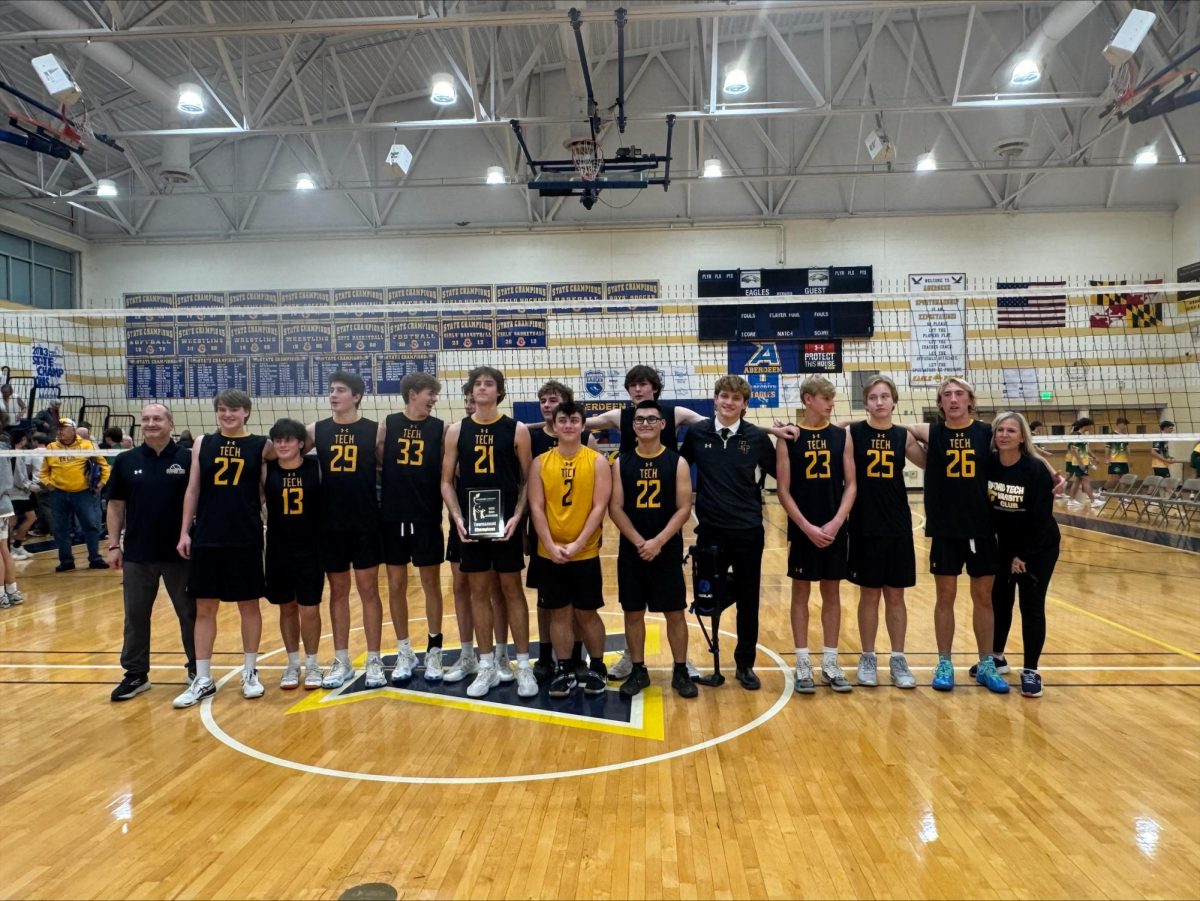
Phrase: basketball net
[585,154]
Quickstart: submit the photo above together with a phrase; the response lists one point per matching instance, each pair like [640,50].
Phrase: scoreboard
[802,316]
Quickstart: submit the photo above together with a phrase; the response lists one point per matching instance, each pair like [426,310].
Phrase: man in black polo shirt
[727,452]
[145,491]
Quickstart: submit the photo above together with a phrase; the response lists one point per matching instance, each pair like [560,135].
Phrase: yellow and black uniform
[958,514]
[1161,468]
[540,441]
[1079,459]
[412,494]
[293,538]
[568,484]
[881,538]
[648,489]
[349,505]
[487,458]
[1118,458]
[227,538]
[818,483]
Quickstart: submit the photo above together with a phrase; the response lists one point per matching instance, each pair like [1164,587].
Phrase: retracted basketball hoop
[586,155]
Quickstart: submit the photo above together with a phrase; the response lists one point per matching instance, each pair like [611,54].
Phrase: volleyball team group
[345,495]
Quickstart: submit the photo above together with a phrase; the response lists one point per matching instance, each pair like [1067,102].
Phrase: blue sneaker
[987,675]
[943,676]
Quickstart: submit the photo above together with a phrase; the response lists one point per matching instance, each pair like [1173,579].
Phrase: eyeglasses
[646,420]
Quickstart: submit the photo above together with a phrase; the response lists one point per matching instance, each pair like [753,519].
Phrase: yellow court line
[1116,625]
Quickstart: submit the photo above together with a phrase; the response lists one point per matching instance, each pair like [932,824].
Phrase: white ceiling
[325,87]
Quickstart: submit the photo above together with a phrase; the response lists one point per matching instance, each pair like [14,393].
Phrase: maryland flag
[1144,312]
[1115,305]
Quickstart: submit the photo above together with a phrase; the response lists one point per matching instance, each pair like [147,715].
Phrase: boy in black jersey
[410,451]
[345,445]
[651,500]
[958,520]
[882,560]
[817,488]
[493,451]
[221,533]
[292,490]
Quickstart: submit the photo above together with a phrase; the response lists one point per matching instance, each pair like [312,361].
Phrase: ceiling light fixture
[191,99]
[712,169]
[106,187]
[927,162]
[305,182]
[736,82]
[495,175]
[1026,71]
[1146,156]
[442,90]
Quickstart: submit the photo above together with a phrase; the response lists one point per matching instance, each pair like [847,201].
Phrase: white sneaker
[19,553]
[406,662]
[504,667]
[433,665]
[15,597]
[375,675]
[312,677]
[290,678]
[251,686]
[466,665]
[4,601]
[485,680]
[339,674]
[196,692]
[868,669]
[620,670]
[693,672]
[527,686]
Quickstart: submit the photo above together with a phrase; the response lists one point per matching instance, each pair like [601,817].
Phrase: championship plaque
[485,513]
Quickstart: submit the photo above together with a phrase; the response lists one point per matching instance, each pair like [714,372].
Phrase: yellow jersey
[568,483]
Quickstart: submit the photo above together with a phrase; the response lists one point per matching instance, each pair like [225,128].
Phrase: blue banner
[307,337]
[786,357]
[256,337]
[152,340]
[522,294]
[468,334]
[200,339]
[764,390]
[367,335]
[520,331]
[209,376]
[319,300]
[632,290]
[154,380]
[561,292]
[280,377]
[324,367]
[391,368]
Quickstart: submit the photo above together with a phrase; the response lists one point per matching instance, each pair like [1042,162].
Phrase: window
[36,274]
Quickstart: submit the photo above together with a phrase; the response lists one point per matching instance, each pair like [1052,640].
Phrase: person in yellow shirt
[74,484]
[569,488]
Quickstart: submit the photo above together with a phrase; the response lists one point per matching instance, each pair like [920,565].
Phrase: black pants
[742,549]
[1033,583]
[141,588]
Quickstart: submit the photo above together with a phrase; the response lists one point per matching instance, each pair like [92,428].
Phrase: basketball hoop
[585,154]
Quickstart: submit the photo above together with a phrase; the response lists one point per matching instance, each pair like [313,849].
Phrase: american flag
[1031,312]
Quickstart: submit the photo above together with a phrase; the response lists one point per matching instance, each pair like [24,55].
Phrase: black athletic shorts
[878,561]
[1162,471]
[535,562]
[294,575]
[947,556]
[21,506]
[809,563]
[419,543]
[453,545]
[342,550]
[656,585]
[227,573]
[489,554]
[577,584]
[1118,469]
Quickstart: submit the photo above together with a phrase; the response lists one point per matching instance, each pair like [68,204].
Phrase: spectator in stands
[112,438]
[83,430]
[13,405]
[46,422]
[186,439]
[43,525]
[127,442]
[75,483]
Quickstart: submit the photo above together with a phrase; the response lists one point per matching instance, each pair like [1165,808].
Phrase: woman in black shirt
[1021,493]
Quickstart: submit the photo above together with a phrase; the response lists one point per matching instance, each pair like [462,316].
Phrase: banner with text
[938,326]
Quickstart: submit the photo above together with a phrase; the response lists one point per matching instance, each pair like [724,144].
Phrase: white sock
[204,669]
[403,644]
[522,660]
[251,659]
[343,655]
[801,655]
[489,659]
[311,662]
[10,587]
[468,648]
[373,657]
[870,655]
[293,658]
[897,655]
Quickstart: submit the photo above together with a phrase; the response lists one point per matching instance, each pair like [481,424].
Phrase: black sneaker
[562,684]
[97,564]
[638,679]
[747,679]
[543,671]
[595,683]
[130,687]
[580,669]
[683,684]
[65,567]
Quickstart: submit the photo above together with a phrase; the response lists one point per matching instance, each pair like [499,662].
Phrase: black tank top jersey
[229,513]
[648,484]
[347,455]
[293,506]
[818,474]
[487,458]
[956,479]
[541,441]
[881,505]
[629,439]
[412,469]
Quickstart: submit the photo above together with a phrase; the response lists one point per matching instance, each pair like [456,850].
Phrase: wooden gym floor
[1093,791]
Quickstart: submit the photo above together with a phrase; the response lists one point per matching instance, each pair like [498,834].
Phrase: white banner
[1021,384]
[47,362]
[938,327]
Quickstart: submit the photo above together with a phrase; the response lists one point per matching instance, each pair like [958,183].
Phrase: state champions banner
[359,332]
[632,290]
[590,293]
[938,346]
[521,326]
[253,333]
[413,324]
[203,334]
